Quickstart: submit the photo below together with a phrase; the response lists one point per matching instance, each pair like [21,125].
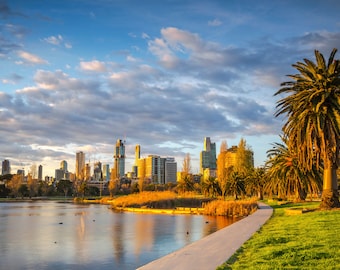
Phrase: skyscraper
[63,165]
[208,157]
[6,167]
[80,165]
[119,158]
[40,172]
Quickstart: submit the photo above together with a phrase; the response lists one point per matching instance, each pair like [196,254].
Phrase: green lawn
[305,241]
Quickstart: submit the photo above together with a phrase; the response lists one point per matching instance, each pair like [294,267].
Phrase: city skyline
[80,74]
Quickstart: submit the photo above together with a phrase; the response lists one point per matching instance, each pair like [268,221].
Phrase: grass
[230,208]
[304,241]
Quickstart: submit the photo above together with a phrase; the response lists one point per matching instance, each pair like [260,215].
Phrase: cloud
[58,40]
[95,66]
[31,58]
[12,79]
[215,22]
[54,40]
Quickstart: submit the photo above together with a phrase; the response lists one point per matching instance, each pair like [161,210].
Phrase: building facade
[6,167]
[119,158]
[80,165]
[40,173]
[208,158]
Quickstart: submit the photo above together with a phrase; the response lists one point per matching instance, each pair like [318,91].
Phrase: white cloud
[54,40]
[31,58]
[215,22]
[68,45]
[94,65]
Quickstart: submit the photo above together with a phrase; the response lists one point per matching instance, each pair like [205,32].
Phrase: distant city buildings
[152,169]
[156,169]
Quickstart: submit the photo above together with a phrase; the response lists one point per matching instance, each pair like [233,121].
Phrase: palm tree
[285,176]
[313,109]
[236,184]
[255,182]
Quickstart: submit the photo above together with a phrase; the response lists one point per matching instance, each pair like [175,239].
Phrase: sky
[76,75]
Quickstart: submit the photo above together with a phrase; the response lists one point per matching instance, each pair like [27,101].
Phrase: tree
[244,159]
[64,186]
[286,177]
[312,105]
[15,183]
[32,185]
[236,184]
[255,182]
[186,166]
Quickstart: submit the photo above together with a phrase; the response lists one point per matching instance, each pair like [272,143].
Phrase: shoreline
[177,210]
[213,250]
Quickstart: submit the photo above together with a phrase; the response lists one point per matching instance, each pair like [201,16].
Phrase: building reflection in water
[144,231]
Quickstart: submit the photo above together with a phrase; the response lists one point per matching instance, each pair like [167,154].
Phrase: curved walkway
[215,249]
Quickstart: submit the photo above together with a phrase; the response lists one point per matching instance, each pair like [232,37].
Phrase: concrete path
[214,249]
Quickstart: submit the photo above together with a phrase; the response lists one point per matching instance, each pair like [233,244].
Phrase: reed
[230,208]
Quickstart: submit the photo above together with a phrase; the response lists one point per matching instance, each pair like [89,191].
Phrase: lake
[60,235]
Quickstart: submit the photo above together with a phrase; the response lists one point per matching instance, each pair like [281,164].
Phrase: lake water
[55,235]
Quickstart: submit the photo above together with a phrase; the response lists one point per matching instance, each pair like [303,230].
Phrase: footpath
[214,249]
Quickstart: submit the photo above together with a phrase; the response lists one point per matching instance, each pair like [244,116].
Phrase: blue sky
[78,75]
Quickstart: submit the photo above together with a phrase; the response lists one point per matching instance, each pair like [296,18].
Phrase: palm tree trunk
[330,195]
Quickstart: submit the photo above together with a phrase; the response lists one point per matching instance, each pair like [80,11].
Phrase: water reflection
[52,235]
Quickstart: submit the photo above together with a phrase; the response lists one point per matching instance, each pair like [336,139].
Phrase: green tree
[32,185]
[23,191]
[210,187]
[286,177]
[236,184]
[255,182]
[64,186]
[312,105]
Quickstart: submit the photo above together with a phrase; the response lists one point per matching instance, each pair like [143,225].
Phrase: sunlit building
[63,165]
[106,172]
[157,170]
[119,158]
[80,165]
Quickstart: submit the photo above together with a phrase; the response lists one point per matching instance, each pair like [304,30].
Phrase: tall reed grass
[230,208]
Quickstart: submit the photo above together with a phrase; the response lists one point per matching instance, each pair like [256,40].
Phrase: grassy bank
[292,240]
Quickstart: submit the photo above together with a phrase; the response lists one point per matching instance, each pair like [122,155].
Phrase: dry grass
[230,208]
[146,199]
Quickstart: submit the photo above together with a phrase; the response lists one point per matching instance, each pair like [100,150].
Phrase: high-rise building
[158,170]
[87,170]
[106,172]
[6,167]
[208,157]
[59,174]
[40,173]
[97,171]
[170,170]
[63,165]
[80,165]
[119,158]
